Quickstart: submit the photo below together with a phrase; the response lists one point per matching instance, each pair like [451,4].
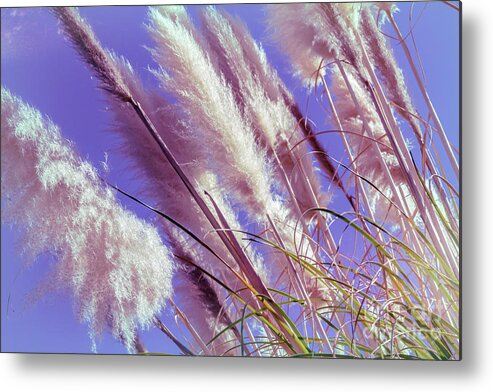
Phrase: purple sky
[42,68]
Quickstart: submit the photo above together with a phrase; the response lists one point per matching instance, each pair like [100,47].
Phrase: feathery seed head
[113,263]
[90,49]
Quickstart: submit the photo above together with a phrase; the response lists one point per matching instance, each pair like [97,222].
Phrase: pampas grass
[187,72]
[112,263]
[243,185]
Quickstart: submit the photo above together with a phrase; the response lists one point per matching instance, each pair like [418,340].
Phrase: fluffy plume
[389,71]
[89,49]
[113,263]
[160,182]
[339,18]
[247,71]
[296,27]
[276,90]
[333,33]
[256,58]
[314,35]
[208,101]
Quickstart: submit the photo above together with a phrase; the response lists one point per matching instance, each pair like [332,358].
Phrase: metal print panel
[262,180]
